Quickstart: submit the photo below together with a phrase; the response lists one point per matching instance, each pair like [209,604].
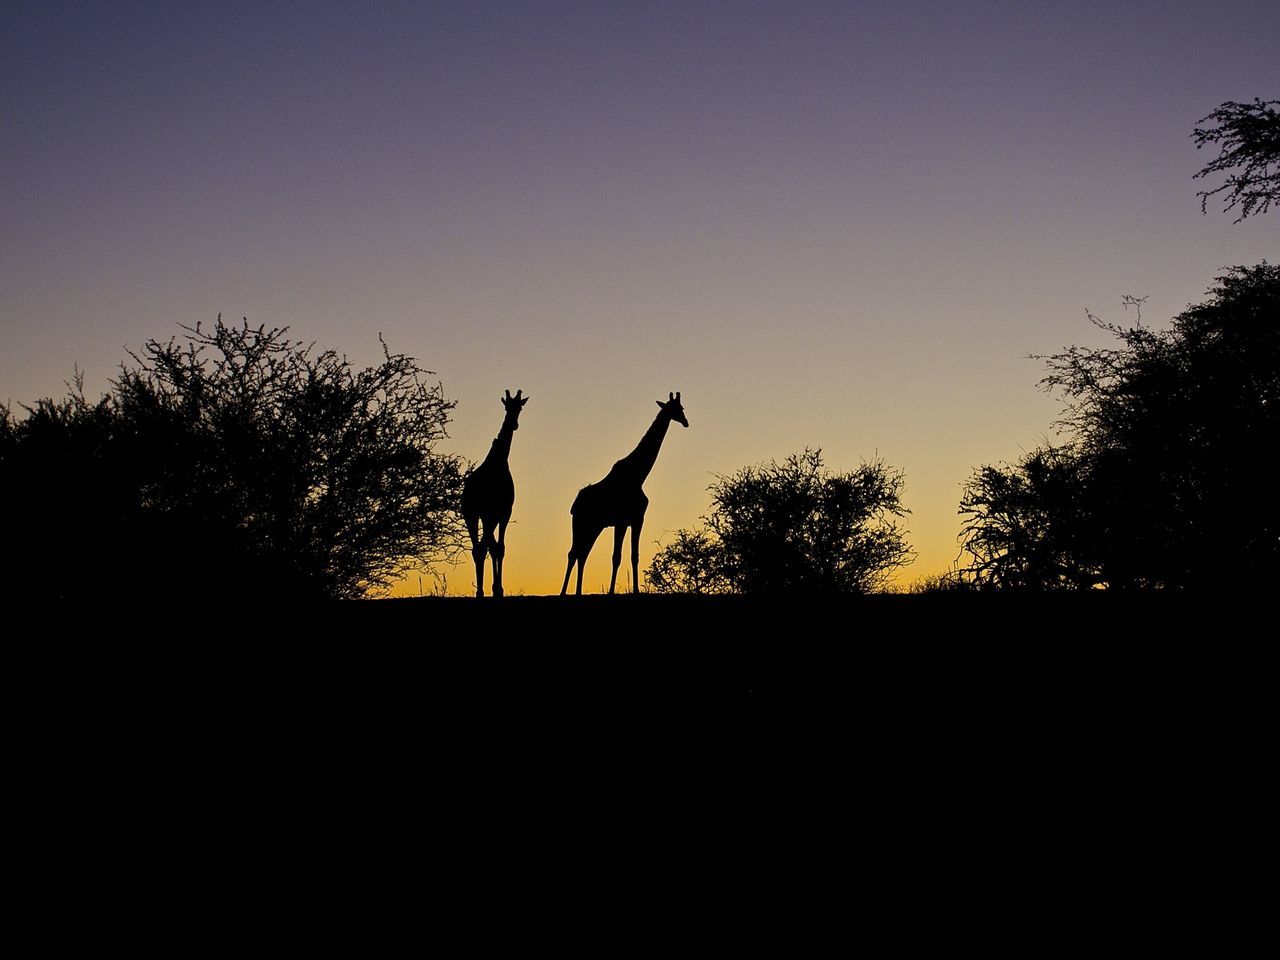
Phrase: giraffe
[488,494]
[618,501]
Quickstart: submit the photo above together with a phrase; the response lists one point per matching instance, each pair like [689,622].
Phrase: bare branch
[1249,138]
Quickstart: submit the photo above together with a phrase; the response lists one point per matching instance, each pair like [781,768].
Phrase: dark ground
[359,772]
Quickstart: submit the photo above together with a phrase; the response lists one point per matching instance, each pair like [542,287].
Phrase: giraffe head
[673,409]
[513,407]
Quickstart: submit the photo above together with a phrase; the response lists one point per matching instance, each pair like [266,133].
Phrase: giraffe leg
[486,548]
[584,538]
[567,570]
[477,552]
[635,555]
[619,532]
[499,551]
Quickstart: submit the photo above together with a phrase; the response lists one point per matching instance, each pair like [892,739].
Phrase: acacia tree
[238,458]
[1027,523]
[693,562]
[1166,481]
[1249,138]
[792,527]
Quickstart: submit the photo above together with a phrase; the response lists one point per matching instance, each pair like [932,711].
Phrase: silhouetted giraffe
[618,501]
[488,494]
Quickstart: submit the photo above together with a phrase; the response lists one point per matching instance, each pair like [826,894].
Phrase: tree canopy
[234,459]
[1248,135]
[791,527]
[1164,480]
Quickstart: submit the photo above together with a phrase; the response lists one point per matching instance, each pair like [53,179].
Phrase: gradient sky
[841,225]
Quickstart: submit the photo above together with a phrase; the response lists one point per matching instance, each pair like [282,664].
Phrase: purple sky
[827,224]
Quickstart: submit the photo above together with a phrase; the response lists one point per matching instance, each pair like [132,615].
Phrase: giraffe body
[488,495]
[619,501]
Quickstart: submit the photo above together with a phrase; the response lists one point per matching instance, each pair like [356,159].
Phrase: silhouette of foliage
[952,581]
[1166,480]
[236,459]
[1027,524]
[690,563]
[792,527]
[1249,137]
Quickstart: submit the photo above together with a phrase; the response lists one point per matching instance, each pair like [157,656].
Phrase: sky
[835,225]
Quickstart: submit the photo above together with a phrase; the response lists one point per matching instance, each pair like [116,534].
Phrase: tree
[1249,136]
[236,460]
[791,527]
[1027,526]
[691,563]
[1166,479]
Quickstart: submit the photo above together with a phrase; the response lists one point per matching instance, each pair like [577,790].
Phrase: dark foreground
[230,779]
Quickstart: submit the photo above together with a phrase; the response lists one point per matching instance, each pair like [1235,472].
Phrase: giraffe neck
[641,460]
[501,448]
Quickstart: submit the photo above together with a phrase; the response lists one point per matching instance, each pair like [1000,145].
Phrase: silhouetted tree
[1249,135]
[1027,524]
[691,563]
[59,495]
[792,527]
[1166,481]
[235,460]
